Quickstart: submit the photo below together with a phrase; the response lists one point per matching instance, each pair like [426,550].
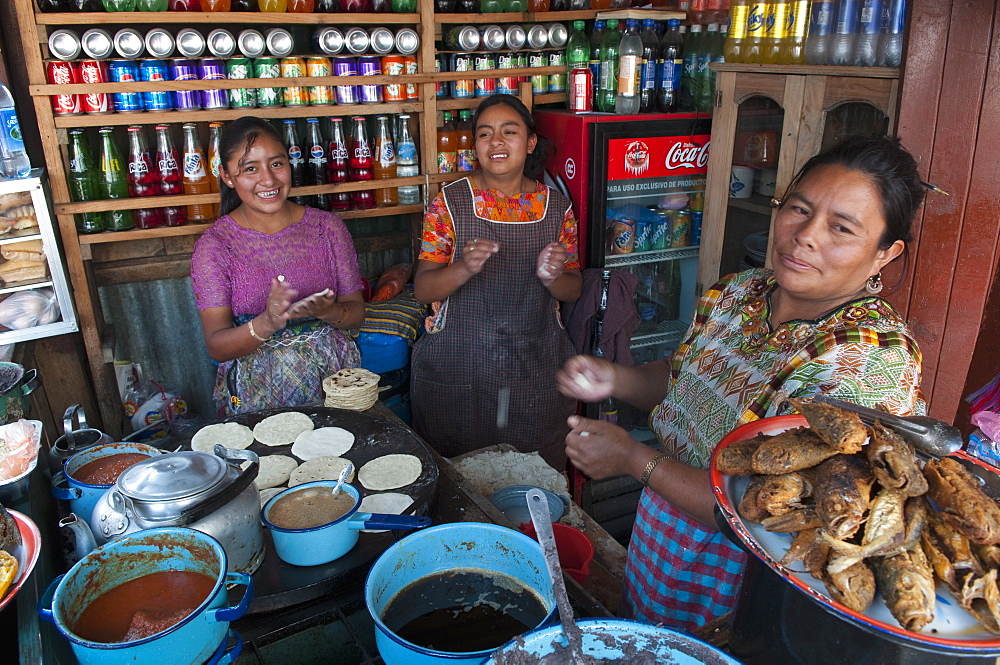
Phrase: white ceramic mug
[766,181]
[741,182]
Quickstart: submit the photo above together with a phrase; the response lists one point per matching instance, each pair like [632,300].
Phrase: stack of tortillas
[355,389]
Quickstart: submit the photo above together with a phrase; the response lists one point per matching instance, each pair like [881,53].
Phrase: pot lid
[172,476]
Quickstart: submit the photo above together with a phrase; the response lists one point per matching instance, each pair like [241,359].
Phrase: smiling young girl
[499,252]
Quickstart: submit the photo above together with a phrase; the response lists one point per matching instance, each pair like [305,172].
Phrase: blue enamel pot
[327,542]
[194,639]
[83,496]
[459,546]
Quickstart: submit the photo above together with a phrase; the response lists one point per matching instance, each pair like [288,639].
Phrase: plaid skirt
[678,572]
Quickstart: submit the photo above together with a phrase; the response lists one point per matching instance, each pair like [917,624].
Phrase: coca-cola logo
[62,75]
[686,156]
[636,157]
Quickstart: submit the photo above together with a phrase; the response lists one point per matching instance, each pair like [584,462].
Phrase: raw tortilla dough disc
[321,468]
[322,442]
[266,494]
[282,428]
[387,503]
[390,471]
[274,470]
[230,435]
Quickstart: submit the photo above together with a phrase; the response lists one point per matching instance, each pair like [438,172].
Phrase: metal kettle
[198,490]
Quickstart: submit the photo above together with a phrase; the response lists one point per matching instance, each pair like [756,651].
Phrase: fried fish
[962,501]
[894,462]
[736,459]
[792,450]
[838,428]
[842,493]
[907,585]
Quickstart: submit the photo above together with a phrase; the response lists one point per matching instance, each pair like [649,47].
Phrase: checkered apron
[487,376]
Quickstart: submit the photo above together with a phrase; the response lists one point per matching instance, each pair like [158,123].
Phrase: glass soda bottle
[596,39]
[91,5]
[316,169]
[407,161]
[447,146]
[608,84]
[629,70]
[113,182]
[119,5]
[296,160]
[539,5]
[195,175]
[465,157]
[273,6]
[668,89]
[192,5]
[215,5]
[143,180]
[519,6]
[83,183]
[820,27]
[244,6]
[337,164]
[151,6]
[168,167]
[302,6]
[385,163]
[214,160]
[329,6]
[361,163]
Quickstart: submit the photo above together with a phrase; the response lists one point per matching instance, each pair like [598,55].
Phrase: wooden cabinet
[768,121]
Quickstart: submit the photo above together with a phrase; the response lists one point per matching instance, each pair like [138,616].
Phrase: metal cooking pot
[198,490]
[76,437]
[15,386]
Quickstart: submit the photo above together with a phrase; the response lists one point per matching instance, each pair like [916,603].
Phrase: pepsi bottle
[317,162]
[296,161]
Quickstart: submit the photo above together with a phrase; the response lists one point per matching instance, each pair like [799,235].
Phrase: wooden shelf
[805,70]
[757,203]
[517,17]
[90,19]
[213,115]
[640,14]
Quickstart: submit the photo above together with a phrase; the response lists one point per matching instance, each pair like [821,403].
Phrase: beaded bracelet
[253,333]
[648,471]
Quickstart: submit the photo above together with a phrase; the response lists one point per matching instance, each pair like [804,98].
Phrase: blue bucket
[82,496]
[461,545]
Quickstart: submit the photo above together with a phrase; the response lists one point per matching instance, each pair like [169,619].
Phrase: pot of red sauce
[155,596]
[88,474]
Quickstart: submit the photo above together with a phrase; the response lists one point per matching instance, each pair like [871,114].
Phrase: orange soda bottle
[385,163]
[195,177]
[215,5]
[447,146]
[302,6]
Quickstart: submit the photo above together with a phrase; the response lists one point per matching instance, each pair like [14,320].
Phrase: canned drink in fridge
[190,43]
[292,67]
[63,72]
[463,88]
[539,82]
[680,230]
[623,236]
[581,90]
[393,65]
[643,232]
[485,87]
[241,98]
[441,88]
[696,227]
[537,36]
[660,235]
[370,65]
[329,40]
[557,82]
[250,43]
[129,43]
[381,40]
[507,85]
[125,71]
[557,35]
[410,63]
[213,69]
[346,65]
[96,44]
[64,44]
[94,103]
[462,38]
[279,42]
[492,37]
[356,40]
[407,41]
[155,100]
[316,67]
[160,43]
[515,37]
[268,68]
[182,69]
[221,43]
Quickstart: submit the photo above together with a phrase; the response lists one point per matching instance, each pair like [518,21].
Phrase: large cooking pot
[76,436]
[194,639]
[205,492]
[15,386]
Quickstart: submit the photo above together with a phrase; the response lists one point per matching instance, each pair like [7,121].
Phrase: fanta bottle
[195,174]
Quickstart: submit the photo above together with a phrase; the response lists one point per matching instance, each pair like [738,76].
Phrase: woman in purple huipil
[276,283]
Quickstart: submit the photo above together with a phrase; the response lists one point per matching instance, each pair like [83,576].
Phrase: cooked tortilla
[386,503]
[321,468]
[390,471]
[274,470]
[322,442]
[265,495]
[282,428]
[230,435]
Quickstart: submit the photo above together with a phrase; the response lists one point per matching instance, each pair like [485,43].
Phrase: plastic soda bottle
[119,5]
[447,145]
[775,29]
[793,51]
[668,89]
[244,5]
[168,167]
[890,43]
[649,75]
[195,175]
[689,78]
[316,168]
[596,39]
[384,166]
[703,74]
[302,6]
[737,31]
[83,184]
[151,6]
[361,163]
[13,159]
[577,47]
[216,5]
[866,35]
[113,182]
[407,161]
[296,160]
[756,27]
[337,164]
[629,70]
[273,6]
[845,23]
[820,26]
[466,153]
[143,180]
[608,84]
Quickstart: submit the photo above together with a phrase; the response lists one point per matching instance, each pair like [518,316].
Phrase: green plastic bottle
[609,68]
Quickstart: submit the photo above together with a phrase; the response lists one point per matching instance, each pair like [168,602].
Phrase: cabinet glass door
[853,118]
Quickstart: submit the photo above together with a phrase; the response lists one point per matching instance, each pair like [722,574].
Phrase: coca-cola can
[356,40]
[492,37]
[381,40]
[370,65]
[346,65]
[411,68]
[94,103]
[221,43]
[507,85]
[581,90]
[129,43]
[407,41]
[160,43]
[97,44]
[393,65]
[61,72]
[329,40]
[251,43]
[64,44]
[190,43]
[515,37]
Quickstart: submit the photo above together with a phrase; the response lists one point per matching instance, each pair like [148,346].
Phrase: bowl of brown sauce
[89,473]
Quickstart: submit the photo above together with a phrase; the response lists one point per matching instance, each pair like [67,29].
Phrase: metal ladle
[342,478]
[538,506]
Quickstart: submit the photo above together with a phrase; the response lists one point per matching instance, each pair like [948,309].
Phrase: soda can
[345,65]
[190,43]
[381,40]
[623,236]
[464,88]
[407,41]
[491,37]
[328,40]
[94,103]
[356,40]
[250,43]
[581,90]
[680,230]
[557,82]
[484,62]
[213,69]
[643,233]
[462,38]
[660,235]
[507,85]
[557,35]
[268,68]
[441,88]
[97,44]
[393,65]
[182,69]
[155,100]
[279,42]
[370,65]
[125,71]
[293,67]
[514,37]
[696,227]
[64,44]
[539,82]
[221,43]
[411,68]
[160,43]
[129,43]
[522,63]
[537,36]
[62,72]
[317,66]
[241,98]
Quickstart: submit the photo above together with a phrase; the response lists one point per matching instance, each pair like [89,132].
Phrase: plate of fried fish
[853,517]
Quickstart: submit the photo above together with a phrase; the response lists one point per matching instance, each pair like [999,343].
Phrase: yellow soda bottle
[793,51]
[756,24]
[272,6]
[735,47]
[776,27]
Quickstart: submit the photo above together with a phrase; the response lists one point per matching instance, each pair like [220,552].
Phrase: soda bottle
[577,47]
[447,145]
[317,168]
[244,6]
[596,39]
[608,85]
[668,290]
[169,170]
[92,5]
[215,5]
[361,163]
[296,162]
[13,159]
[195,176]
[890,43]
[820,26]
[466,153]
[519,6]
[384,166]
[113,183]
[757,13]
[152,6]
[273,6]
[845,23]
[119,5]
[672,56]
[572,5]
[629,70]
[301,6]
[337,164]
[143,179]
[793,51]
[536,5]
[703,84]
[690,80]
[328,7]
[737,30]
[649,76]
[716,55]
[775,30]
[49,6]
[407,161]
[195,5]
[214,158]
[645,299]
[83,184]
[866,35]
[467,6]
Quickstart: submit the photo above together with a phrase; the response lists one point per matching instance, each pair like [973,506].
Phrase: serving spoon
[342,478]
[538,506]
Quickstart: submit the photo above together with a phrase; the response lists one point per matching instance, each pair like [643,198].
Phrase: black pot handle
[30,382]
[217,501]
[727,530]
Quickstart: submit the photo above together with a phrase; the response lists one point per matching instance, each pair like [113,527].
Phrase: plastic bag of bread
[29,250]
[17,212]
[26,309]
[23,271]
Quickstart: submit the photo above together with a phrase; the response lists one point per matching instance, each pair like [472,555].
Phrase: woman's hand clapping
[477,252]
[587,378]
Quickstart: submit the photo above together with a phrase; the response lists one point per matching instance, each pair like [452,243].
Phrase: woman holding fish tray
[812,324]
[276,283]
[499,252]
